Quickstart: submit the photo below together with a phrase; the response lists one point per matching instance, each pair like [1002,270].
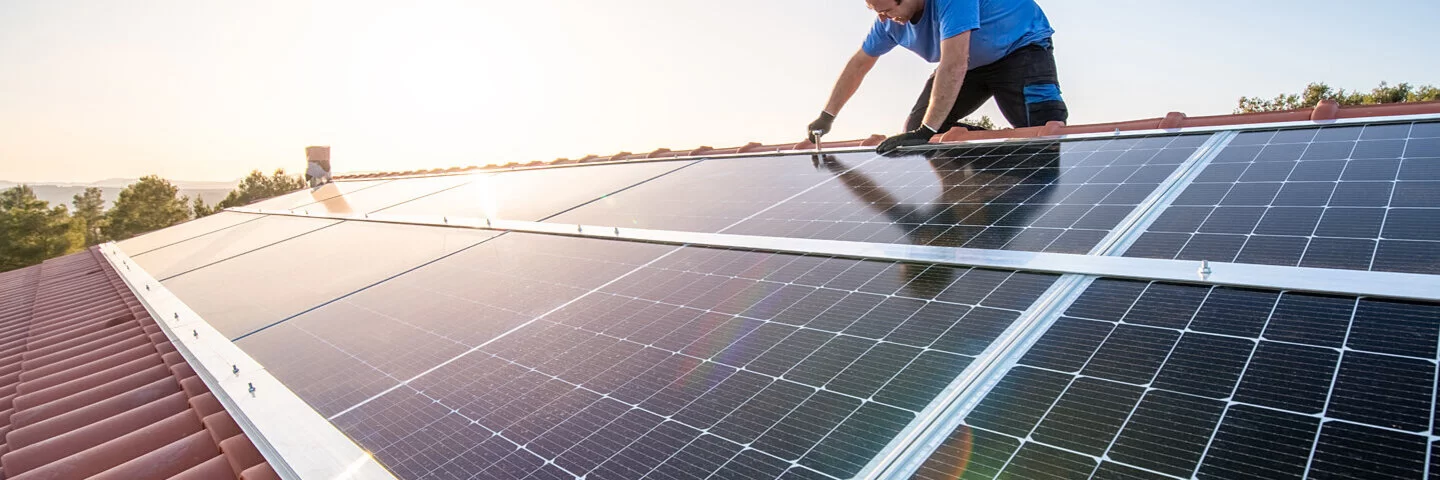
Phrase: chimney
[317,169]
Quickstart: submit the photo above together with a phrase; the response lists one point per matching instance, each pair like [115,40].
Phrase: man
[984,48]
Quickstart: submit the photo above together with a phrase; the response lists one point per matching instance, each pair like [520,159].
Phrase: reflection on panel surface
[533,194]
[378,197]
[166,262]
[1037,196]
[1353,197]
[185,231]
[310,196]
[1184,380]
[675,367]
[244,293]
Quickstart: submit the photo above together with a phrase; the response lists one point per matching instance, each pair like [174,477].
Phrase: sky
[209,90]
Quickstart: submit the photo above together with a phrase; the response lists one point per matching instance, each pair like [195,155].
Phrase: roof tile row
[91,387]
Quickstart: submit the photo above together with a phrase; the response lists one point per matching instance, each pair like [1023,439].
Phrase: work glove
[918,136]
[821,124]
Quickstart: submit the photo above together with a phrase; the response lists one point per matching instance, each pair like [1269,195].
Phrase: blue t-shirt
[1000,27]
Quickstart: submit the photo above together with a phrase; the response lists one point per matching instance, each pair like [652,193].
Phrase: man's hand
[919,136]
[821,125]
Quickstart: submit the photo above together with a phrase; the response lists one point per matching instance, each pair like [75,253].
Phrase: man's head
[900,11]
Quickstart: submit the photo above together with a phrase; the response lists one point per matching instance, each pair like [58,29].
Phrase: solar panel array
[459,353]
[1157,380]
[1347,197]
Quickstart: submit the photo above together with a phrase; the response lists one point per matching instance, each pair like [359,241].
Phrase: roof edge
[1325,111]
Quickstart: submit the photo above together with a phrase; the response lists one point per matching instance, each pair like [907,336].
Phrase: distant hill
[62,193]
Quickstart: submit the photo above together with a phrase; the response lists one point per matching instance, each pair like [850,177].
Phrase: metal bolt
[235,369]
[177,315]
[445,219]
[195,333]
[252,388]
[147,287]
[1204,268]
[617,231]
[579,229]
[487,223]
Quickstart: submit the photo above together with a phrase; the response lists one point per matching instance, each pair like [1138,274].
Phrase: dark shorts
[1023,83]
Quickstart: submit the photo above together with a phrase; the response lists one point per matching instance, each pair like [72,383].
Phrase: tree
[149,204]
[31,231]
[257,186]
[90,214]
[1315,92]
[984,122]
[199,209]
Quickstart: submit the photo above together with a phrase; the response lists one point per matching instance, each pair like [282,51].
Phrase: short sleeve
[878,42]
[957,16]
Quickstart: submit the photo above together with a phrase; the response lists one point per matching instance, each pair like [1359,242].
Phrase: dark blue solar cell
[1337,134]
[1265,250]
[1383,170]
[1107,299]
[1423,147]
[973,333]
[1253,138]
[1288,377]
[1416,194]
[1317,171]
[1287,152]
[1295,221]
[857,439]
[1395,327]
[1267,172]
[1241,220]
[1328,151]
[1018,401]
[1205,365]
[1425,130]
[1304,194]
[1116,471]
[1420,169]
[1181,219]
[1343,253]
[1319,320]
[1383,132]
[915,386]
[1354,451]
[1384,391]
[1168,433]
[1234,311]
[1167,305]
[1379,149]
[797,432]
[1129,194]
[1351,222]
[753,465]
[1158,245]
[700,458]
[1039,461]
[1132,354]
[1305,135]
[1407,256]
[1413,224]
[1068,344]
[1251,194]
[1088,416]
[1203,194]
[1222,173]
[1259,443]
[1212,247]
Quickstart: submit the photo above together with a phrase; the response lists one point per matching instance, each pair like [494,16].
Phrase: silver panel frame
[297,441]
[1305,279]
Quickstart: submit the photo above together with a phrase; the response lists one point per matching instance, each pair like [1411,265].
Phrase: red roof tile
[90,386]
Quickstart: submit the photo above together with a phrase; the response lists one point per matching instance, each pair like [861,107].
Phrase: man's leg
[1027,88]
[973,93]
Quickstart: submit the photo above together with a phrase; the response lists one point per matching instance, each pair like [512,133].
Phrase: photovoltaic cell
[202,250]
[311,196]
[693,361]
[1049,196]
[185,231]
[1222,382]
[376,197]
[1354,197]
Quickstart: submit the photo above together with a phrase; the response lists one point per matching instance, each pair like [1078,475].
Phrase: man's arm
[954,60]
[849,81]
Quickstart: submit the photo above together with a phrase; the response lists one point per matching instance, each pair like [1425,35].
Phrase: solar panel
[374,197]
[533,194]
[693,360]
[312,195]
[1347,197]
[215,246]
[184,231]
[1045,196]
[242,294]
[1157,380]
